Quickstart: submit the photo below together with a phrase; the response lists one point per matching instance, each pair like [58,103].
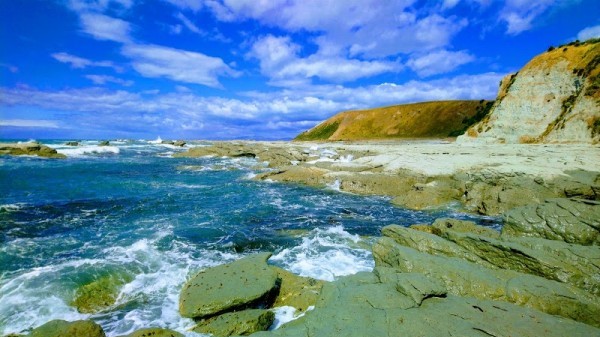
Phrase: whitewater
[131,210]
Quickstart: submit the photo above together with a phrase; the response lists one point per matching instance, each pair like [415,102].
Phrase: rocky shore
[539,276]
[29,149]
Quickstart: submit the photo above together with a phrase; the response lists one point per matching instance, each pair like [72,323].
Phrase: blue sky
[256,69]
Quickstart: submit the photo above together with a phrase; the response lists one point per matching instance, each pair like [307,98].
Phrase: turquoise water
[131,209]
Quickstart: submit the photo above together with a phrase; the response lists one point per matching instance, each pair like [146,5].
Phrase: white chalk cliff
[555,98]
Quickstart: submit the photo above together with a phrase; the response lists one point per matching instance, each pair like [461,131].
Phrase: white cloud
[189,24]
[194,5]
[103,79]
[81,63]
[439,62]
[520,14]
[368,28]
[98,5]
[29,123]
[176,64]
[252,115]
[103,27]
[279,60]
[589,33]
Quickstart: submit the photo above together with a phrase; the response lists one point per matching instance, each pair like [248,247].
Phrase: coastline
[449,276]
[485,179]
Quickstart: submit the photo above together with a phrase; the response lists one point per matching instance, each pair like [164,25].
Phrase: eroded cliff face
[555,98]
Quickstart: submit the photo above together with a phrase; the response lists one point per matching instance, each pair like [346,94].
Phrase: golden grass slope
[437,119]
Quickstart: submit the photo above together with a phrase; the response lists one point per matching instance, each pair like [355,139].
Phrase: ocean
[132,211]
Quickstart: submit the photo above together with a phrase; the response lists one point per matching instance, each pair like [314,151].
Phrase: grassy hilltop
[437,119]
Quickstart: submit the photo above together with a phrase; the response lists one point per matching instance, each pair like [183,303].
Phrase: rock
[430,243]
[245,283]
[237,323]
[297,291]
[72,143]
[463,226]
[426,228]
[168,142]
[179,143]
[369,305]
[154,332]
[568,220]
[60,328]
[99,294]
[464,278]
[566,268]
[29,149]
[104,143]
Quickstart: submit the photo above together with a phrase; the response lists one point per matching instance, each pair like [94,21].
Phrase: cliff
[555,98]
[419,120]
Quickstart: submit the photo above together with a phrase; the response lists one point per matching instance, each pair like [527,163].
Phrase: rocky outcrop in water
[239,323]
[60,328]
[29,149]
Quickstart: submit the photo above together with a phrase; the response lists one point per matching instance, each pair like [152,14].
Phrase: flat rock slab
[237,323]
[60,328]
[572,221]
[241,284]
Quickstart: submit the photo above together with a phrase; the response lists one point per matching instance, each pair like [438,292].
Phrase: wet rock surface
[29,149]
[248,282]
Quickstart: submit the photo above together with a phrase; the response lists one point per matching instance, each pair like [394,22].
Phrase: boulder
[463,278]
[179,143]
[569,220]
[240,323]
[72,143]
[100,293]
[104,143]
[29,149]
[60,328]
[297,291]
[245,283]
[154,332]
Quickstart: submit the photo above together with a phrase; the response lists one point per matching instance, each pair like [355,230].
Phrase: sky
[256,69]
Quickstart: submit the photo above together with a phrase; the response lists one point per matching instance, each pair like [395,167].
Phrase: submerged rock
[104,143]
[248,282]
[60,328]
[237,323]
[568,220]
[154,332]
[29,149]
[100,293]
[464,278]
[72,143]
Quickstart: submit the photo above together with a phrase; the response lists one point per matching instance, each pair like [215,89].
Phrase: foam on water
[285,314]
[88,150]
[158,140]
[326,254]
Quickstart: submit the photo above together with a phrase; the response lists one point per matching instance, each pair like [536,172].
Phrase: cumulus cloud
[81,63]
[369,28]
[279,60]
[176,64]
[439,62]
[589,33]
[103,79]
[520,14]
[103,27]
